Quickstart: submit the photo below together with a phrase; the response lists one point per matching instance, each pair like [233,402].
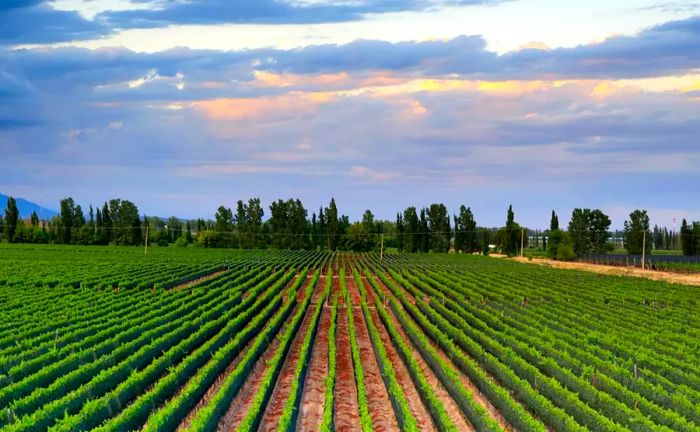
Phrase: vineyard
[110,339]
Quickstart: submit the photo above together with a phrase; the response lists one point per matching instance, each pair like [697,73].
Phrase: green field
[195,339]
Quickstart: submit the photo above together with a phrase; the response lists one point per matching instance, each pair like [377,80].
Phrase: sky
[182,106]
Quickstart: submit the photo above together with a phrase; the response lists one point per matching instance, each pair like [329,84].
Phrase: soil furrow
[466,382]
[380,408]
[222,377]
[313,398]
[346,415]
[423,419]
[196,281]
[275,406]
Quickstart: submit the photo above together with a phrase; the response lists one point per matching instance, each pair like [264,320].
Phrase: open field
[670,276]
[201,340]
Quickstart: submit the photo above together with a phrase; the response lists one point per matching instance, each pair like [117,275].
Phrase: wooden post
[644,248]
[522,242]
[145,247]
[381,251]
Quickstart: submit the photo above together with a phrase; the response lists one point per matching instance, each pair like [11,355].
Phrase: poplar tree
[688,244]
[11,218]
[634,233]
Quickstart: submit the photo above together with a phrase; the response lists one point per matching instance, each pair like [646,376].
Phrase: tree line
[288,226]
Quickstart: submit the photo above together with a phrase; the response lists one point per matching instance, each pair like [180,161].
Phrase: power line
[492,230]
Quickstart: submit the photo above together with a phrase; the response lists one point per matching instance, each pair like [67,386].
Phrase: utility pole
[522,242]
[145,248]
[381,251]
[644,247]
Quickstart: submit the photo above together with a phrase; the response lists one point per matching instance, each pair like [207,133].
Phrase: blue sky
[183,106]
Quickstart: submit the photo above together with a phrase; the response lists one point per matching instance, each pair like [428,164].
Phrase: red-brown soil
[464,379]
[346,415]
[196,281]
[453,410]
[380,408]
[242,401]
[313,397]
[419,411]
[275,406]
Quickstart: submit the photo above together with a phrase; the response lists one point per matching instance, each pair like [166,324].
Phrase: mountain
[26,208]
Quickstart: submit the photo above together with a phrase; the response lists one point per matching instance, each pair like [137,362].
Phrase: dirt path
[200,280]
[346,415]
[616,271]
[313,396]
[275,406]
[380,408]
[453,410]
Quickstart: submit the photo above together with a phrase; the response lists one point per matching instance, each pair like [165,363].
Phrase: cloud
[35,21]
[267,11]
[39,22]
[117,74]
[381,122]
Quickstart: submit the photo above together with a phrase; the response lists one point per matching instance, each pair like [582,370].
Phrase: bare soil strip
[242,401]
[196,281]
[423,419]
[313,397]
[239,406]
[380,408]
[453,410]
[346,415]
[616,271]
[478,396]
[185,424]
[275,406]
[231,367]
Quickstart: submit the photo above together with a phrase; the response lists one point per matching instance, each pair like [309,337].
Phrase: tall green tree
[314,232]
[358,239]
[561,246]
[174,229]
[400,229]
[242,225]
[223,227]
[372,229]
[67,220]
[554,222]
[466,235]
[508,237]
[332,225]
[255,219]
[249,224]
[322,228]
[439,227]
[485,242]
[224,220]
[588,230]
[412,229]
[288,225]
[424,232]
[688,244]
[106,228]
[635,229]
[11,218]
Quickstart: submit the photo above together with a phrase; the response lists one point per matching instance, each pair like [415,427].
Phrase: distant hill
[26,208]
